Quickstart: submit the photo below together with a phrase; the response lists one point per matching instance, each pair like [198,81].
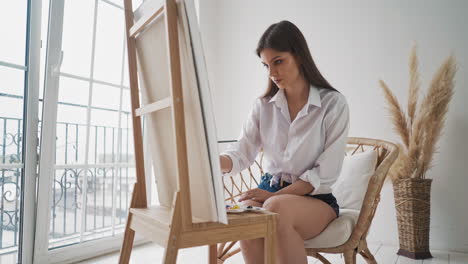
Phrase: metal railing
[109,176]
[10,182]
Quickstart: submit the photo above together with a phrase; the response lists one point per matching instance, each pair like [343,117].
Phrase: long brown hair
[284,36]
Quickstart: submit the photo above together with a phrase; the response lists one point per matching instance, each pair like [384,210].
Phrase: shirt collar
[314,97]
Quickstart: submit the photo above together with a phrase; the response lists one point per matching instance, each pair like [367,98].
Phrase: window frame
[84,249]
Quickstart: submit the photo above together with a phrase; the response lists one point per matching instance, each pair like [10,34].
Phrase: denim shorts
[328,198]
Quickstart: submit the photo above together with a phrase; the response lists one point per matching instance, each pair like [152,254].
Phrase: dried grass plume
[420,129]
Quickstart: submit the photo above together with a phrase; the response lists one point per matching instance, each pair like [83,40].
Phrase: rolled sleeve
[312,177]
[236,167]
[327,168]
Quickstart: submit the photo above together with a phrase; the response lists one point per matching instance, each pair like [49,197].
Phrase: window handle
[59,63]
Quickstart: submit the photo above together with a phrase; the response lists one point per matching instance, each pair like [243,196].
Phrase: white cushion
[337,232]
[351,186]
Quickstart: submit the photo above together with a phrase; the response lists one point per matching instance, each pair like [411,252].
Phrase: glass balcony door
[19,85]
[86,168]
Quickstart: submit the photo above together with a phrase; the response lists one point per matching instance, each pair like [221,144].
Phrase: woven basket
[412,203]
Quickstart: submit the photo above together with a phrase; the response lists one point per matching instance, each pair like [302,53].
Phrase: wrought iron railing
[109,179]
[10,180]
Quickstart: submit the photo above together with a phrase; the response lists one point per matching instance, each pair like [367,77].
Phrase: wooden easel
[172,227]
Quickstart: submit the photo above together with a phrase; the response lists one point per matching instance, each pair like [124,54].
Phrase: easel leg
[270,242]
[213,254]
[129,235]
[170,252]
[127,245]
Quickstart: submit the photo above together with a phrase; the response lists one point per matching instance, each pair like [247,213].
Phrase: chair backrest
[387,154]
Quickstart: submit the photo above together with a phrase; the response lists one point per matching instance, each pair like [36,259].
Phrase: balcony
[109,173]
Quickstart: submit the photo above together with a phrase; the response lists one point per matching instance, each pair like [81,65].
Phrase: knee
[274,204]
[278,204]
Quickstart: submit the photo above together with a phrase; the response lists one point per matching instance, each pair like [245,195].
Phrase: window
[13,70]
[86,130]
[87,112]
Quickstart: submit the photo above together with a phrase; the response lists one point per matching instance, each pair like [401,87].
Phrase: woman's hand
[257,195]
[226,163]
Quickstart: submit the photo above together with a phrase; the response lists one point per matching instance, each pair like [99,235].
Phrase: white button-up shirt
[310,148]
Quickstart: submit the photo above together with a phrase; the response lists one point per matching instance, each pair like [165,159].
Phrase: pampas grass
[420,129]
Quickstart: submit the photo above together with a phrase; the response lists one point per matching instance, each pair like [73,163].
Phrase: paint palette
[254,208]
[235,209]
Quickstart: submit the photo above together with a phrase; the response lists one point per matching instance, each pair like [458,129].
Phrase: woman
[301,123]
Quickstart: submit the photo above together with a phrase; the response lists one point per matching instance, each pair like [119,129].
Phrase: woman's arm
[328,165]
[241,154]
[299,187]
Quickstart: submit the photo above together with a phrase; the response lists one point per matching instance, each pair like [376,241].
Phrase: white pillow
[351,186]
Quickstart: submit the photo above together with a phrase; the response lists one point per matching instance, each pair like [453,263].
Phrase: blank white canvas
[206,188]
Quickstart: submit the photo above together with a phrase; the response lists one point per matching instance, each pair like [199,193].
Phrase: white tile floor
[151,253]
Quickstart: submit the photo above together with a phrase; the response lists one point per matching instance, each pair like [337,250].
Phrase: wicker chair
[387,153]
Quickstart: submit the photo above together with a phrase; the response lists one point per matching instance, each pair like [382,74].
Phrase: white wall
[354,45]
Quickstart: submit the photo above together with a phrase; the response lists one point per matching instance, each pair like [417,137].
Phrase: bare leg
[300,218]
[290,245]
[252,250]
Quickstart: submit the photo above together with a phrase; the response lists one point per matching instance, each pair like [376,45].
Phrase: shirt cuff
[312,177]
[235,164]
